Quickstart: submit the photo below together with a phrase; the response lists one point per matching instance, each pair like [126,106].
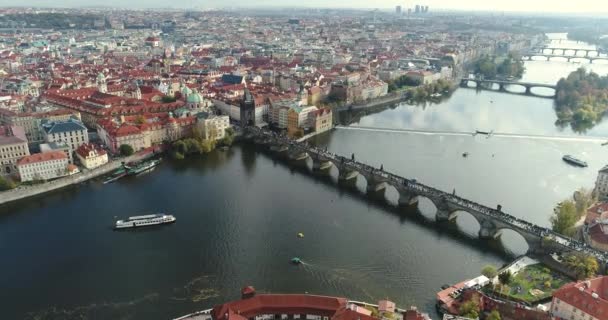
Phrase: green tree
[494,315]
[6,184]
[180,147]
[207,145]
[505,277]
[168,99]
[192,146]
[126,150]
[564,218]
[489,271]
[585,266]
[470,308]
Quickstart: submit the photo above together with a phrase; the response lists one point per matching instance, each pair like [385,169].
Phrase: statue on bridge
[381,167]
[352,157]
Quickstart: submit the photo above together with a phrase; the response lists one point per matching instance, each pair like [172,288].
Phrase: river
[238,213]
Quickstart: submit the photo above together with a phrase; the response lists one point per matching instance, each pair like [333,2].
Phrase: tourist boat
[574,161]
[117,174]
[296,260]
[144,221]
[483,132]
[143,167]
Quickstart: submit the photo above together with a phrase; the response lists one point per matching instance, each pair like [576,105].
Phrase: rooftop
[42,157]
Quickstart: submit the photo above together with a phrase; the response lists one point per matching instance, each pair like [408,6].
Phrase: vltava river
[238,213]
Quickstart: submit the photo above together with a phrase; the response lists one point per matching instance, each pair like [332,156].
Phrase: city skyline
[542,7]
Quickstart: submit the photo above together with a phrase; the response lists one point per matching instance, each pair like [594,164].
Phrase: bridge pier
[321,165]
[407,199]
[345,174]
[528,90]
[487,230]
[443,210]
[297,155]
[501,87]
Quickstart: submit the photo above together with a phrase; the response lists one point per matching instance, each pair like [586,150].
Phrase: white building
[91,156]
[13,146]
[212,126]
[43,166]
[72,132]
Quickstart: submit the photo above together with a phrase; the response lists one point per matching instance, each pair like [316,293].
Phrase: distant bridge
[575,51]
[502,86]
[528,56]
[491,220]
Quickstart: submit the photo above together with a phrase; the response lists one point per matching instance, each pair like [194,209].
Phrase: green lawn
[533,283]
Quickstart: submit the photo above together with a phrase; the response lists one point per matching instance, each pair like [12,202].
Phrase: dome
[186,91]
[194,98]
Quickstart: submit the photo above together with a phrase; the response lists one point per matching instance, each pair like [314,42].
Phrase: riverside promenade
[23,192]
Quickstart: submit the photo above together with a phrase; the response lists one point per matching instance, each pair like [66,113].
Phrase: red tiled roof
[283,303]
[42,157]
[84,150]
[583,299]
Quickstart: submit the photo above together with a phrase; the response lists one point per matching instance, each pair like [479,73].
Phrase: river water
[238,213]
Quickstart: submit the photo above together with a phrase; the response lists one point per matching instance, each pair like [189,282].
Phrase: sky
[538,6]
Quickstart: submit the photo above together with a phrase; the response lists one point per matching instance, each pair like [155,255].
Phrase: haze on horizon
[541,6]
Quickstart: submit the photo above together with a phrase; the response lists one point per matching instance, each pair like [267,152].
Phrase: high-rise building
[426,9]
[398,10]
[417,10]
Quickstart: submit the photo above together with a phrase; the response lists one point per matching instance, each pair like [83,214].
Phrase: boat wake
[463,133]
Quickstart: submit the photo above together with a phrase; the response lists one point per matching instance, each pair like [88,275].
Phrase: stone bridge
[491,220]
[502,84]
[528,56]
[556,50]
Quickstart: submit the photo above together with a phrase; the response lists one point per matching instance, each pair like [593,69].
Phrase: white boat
[144,221]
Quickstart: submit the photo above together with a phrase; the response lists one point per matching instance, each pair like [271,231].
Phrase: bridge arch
[426,207]
[466,222]
[515,88]
[543,91]
[512,241]
[391,194]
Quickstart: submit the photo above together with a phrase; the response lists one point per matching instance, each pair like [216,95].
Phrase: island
[581,99]
[491,67]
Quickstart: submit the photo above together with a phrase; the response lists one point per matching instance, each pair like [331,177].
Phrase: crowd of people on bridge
[420,189]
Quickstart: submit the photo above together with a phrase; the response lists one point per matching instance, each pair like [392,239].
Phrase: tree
[564,218]
[505,277]
[140,119]
[585,266]
[470,308]
[6,184]
[494,315]
[489,271]
[126,150]
[168,99]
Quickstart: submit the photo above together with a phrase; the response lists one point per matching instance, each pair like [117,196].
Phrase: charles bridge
[502,86]
[491,220]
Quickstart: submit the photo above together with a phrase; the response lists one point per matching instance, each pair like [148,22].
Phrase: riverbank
[23,192]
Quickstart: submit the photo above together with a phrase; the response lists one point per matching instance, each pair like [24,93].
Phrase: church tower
[247,109]
[101,83]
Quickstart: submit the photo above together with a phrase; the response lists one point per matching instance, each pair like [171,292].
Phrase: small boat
[300,235]
[465,154]
[574,161]
[483,132]
[604,143]
[296,260]
[145,221]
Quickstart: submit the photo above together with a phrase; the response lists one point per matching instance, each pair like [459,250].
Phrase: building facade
[13,146]
[601,184]
[91,156]
[43,166]
[212,127]
[584,300]
[71,132]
